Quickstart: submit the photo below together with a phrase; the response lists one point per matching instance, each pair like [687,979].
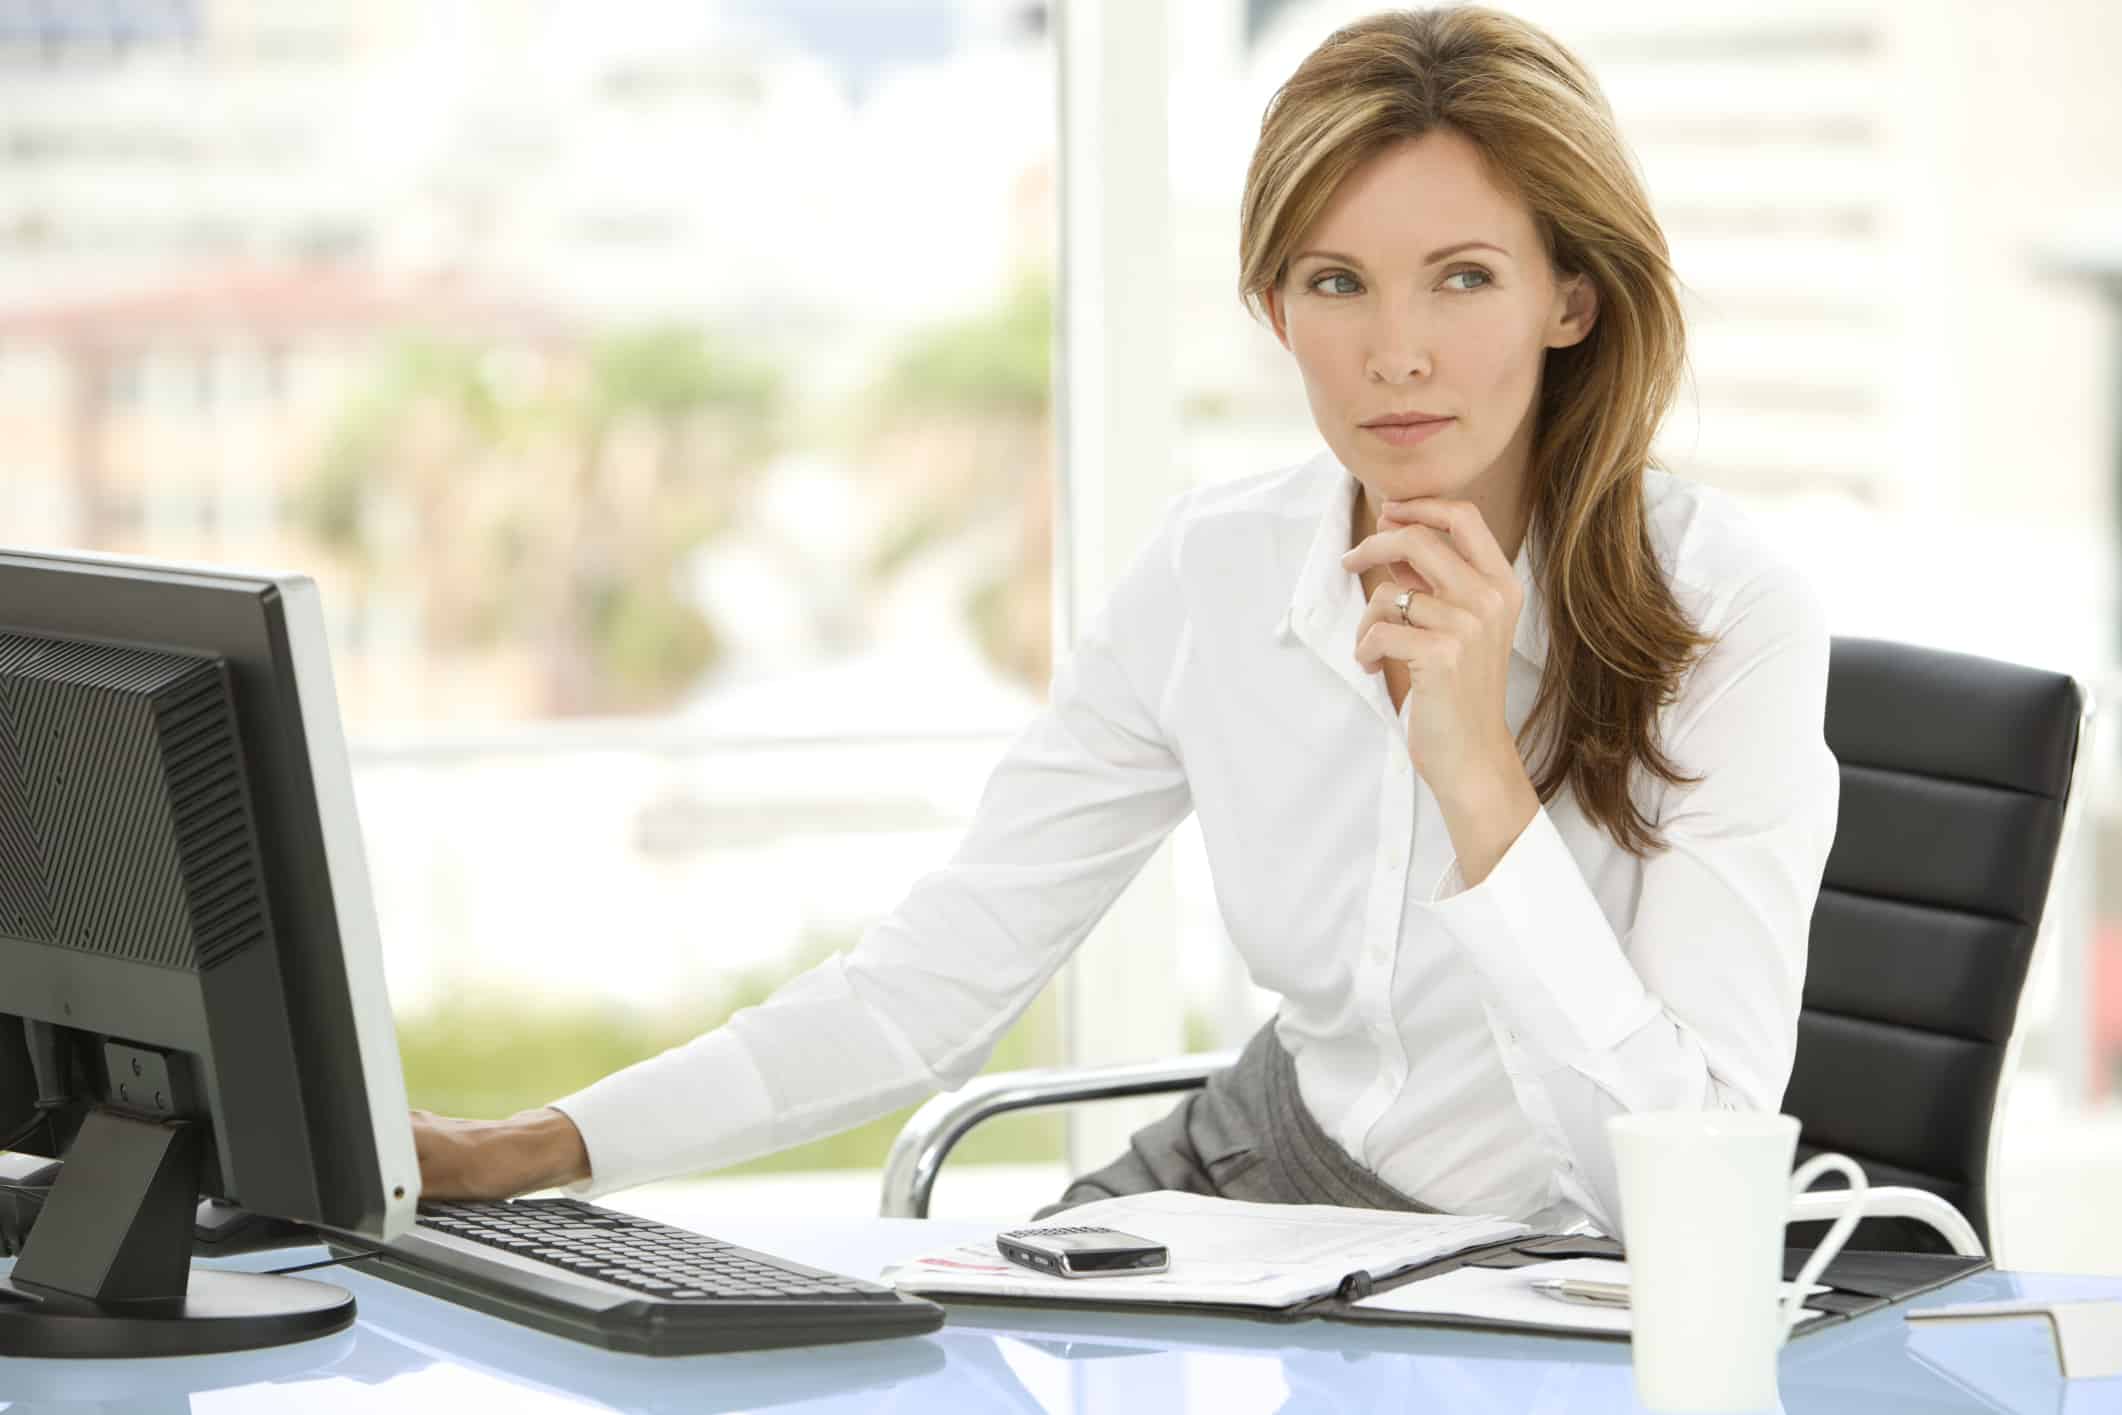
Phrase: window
[660,396]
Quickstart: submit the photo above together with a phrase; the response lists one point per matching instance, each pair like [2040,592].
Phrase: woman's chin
[1407,483]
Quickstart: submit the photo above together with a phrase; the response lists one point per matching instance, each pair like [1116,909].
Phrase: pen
[1589,1294]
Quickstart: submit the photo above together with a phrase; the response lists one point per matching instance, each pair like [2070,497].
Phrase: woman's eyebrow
[1432,258]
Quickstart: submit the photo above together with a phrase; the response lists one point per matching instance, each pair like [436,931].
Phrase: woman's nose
[1398,351]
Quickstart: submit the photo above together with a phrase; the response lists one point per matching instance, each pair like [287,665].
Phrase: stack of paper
[1508,1295]
[1222,1251]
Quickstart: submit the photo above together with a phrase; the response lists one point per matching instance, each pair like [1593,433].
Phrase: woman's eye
[1480,275]
[1335,275]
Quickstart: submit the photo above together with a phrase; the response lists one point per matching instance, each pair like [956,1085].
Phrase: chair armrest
[918,1153]
[1894,1201]
[929,1134]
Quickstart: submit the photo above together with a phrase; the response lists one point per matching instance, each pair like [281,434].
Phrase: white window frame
[1116,471]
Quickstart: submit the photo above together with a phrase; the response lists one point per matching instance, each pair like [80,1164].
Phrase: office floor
[2061,1184]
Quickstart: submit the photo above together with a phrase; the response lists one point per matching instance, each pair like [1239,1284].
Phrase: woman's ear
[1576,311]
[1277,316]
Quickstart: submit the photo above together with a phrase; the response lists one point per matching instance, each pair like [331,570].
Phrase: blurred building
[215,214]
[182,420]
[629,159]
[177,417]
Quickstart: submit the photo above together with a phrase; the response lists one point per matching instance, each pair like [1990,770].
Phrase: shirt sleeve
[1074,809]
[1694,1005]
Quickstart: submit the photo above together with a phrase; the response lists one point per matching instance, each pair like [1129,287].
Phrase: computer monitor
[191,990]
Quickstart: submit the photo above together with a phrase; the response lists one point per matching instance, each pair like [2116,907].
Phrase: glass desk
[410,1354]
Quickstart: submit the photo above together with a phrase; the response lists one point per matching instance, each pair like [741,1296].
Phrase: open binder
[1432,1245]
[1857,1283]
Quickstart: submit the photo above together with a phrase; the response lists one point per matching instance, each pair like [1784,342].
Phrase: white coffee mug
[1705,1196]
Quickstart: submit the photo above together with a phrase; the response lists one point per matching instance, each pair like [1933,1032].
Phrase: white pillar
[1120,996]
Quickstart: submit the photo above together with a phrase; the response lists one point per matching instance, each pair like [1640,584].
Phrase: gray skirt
[1245,1135]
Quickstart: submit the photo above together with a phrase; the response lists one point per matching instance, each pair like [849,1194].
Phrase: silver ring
[1400,602]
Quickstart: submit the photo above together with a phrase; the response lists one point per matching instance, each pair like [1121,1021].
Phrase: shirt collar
[1325,592]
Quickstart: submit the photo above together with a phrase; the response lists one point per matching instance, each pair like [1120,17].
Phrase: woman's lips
[1408,434]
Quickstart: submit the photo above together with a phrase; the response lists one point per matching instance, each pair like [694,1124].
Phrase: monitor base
[107,1267]
[219,1311]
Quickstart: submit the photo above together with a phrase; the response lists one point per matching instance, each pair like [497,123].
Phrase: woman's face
[1424,289]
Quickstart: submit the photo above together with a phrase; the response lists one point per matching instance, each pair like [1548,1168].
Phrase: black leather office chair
[1956,774]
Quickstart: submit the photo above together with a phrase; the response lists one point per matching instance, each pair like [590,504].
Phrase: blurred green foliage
[997,361]
[981,387]
[671,371]
[551,496]
[554,490]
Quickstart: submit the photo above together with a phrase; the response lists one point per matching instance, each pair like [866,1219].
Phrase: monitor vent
[125,818]
[27,905]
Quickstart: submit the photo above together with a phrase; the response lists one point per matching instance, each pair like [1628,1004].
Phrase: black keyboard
[633,1284]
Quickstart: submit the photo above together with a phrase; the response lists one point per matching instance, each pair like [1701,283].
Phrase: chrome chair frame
[918,1153]
[928,1135]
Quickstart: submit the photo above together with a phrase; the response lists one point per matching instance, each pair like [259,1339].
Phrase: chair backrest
[1955,774]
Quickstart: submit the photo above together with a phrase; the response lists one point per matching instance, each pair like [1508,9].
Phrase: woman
[1507,747]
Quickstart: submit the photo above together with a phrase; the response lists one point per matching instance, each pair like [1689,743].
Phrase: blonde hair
[1618,642]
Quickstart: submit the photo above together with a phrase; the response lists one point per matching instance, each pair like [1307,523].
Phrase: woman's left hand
[1456,643]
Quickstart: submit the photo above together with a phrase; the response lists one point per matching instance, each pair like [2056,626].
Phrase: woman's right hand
[497,1159]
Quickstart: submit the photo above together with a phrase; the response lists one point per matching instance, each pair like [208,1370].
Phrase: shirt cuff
[1536,934]
[697,1106]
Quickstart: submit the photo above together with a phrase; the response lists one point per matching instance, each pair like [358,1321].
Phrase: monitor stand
[107,1268]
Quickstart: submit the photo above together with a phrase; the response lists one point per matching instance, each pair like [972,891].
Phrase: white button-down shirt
[1467,1045]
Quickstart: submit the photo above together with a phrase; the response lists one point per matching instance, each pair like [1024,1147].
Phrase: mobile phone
[1082,1252]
